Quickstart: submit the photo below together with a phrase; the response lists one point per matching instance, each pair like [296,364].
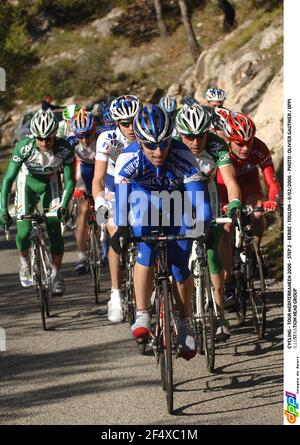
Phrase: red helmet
[239,127]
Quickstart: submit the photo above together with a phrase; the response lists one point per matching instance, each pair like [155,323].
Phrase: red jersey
[248,175]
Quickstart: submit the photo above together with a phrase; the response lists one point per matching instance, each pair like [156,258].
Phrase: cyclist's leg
[50,199]
[143,284]
[84,177]
[178,258]
[24,203]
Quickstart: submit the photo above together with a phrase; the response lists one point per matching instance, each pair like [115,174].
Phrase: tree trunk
[160,22]
[195,50]
[229,14]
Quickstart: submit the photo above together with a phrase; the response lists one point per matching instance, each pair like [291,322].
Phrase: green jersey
[27,155]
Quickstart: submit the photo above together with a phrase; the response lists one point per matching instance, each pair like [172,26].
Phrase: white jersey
[109,146]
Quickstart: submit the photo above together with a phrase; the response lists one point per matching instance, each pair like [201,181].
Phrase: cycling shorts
[178,252]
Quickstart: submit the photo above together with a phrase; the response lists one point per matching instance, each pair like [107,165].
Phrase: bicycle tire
[40,289]
[94,257]
[196,310]
[208,321]
[241,295]
[129,304]
[258,300]
[167,350]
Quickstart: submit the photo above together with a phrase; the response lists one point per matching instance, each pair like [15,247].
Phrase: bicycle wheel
[241,295]
[167,364]
[94,257]
[208,320]
[128,302]
[196,317]
[257,293]
[40,286]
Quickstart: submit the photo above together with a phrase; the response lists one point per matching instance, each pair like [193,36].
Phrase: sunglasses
[191,137]
[153,145]
[126,124]
[85,136]
[48,138]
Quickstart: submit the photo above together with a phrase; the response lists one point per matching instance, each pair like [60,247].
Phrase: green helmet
[70,111]
[193,119]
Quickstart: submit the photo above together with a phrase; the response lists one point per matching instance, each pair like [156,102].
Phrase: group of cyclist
[121,149]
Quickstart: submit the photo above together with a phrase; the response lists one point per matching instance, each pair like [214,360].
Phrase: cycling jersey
[135,173]
[38,176]
[85,162]
[248,175]
[109,146]
[216,152]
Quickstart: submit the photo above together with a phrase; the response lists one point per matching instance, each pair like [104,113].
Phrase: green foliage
[68,77]
[15,49]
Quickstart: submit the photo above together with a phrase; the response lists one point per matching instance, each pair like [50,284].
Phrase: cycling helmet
[43,124]
[107,118]
[219,118]
[192,120]
[189,100]
[124,107]
[169,103]
[82,123]
[70,111]
[152,124]
[215,94]
[238,127]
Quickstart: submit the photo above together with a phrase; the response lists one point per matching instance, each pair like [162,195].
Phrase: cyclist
[156,162]
[189,100]
[36,162]
[247,153]
[193,124]
[109,145]
[169,104]
[84,143]
[64,128]
[215,97]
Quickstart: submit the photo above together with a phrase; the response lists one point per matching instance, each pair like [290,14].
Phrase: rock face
[252,85]
[103,27]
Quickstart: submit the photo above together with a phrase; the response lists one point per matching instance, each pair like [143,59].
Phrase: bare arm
[229,178]
[98,186]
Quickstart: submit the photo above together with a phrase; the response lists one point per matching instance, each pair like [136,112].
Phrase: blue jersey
[138,183]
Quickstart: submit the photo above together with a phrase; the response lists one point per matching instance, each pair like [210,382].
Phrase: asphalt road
[86,370]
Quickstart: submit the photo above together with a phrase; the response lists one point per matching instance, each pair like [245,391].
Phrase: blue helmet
[82,123]
[152,124]
[107,117]
[189,100]
[169,103]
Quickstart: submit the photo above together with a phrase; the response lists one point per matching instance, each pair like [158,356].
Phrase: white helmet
[215,94]
[124,107]
[193,119]
[43,124]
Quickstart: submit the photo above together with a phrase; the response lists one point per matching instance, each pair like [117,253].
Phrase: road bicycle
[204,310]
[163,338]
[95,238]
[41,263]
[247,272]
